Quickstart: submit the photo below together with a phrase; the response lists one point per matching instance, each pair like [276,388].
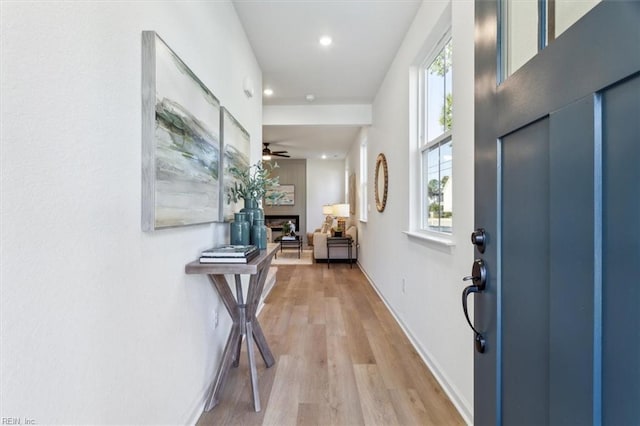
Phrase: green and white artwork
[181,141]
[236,148]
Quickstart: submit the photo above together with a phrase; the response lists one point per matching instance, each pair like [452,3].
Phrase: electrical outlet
[215,319]
[404,285]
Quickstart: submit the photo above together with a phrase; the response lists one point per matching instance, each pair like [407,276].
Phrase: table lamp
[327,210]
[341,211]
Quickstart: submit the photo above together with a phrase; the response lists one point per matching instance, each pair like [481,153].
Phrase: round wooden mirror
[382,182]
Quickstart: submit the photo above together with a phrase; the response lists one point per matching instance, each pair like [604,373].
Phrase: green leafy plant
[286,228]
[254,182]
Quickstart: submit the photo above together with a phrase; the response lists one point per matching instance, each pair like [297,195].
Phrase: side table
[339,242]
[245,324]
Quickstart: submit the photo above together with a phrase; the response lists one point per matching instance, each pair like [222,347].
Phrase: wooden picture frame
[180,141]
[289,198]
[235,148]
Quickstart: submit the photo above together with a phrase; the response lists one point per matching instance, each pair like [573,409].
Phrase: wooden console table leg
[234,339]
[253,372]
[238,278]
[213,397]
[256,286]
[261,342]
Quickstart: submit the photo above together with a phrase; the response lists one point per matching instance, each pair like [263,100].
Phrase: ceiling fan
[267,153]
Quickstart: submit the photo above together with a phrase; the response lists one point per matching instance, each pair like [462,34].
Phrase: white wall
[100,324]
[325,185]
[429,308]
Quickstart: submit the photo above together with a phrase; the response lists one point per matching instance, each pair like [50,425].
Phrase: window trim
[440,140]
[432,237]
[425,145]
[424,65]
[364,180]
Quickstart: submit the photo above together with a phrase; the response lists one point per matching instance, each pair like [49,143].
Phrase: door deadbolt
[479,239]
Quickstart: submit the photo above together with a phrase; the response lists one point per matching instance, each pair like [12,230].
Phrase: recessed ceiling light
[268,92]
[310,97]
[325,40]
[324,156]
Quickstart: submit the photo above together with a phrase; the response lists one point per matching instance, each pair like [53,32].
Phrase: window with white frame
[363,181]
[436,153]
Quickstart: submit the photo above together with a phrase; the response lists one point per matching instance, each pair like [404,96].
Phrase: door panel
[571,254]
[621,254]
[525,274]
[547,252]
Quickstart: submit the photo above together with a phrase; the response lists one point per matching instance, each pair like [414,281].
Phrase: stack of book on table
[229,254]
[288,238]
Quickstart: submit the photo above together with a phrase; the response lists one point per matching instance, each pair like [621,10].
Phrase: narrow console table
[243,315]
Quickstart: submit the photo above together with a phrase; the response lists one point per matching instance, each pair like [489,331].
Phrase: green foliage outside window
[441,66]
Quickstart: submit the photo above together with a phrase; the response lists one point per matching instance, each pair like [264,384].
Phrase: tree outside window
[439,94]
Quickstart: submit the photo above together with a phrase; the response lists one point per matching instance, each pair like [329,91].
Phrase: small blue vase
[240,230]
[259,234]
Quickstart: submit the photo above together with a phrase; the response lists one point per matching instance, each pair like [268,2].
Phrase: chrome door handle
[479,278]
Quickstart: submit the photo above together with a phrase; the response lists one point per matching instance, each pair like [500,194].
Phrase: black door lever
[479,278]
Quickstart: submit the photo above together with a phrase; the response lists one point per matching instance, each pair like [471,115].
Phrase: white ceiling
[311,141]
[284,35]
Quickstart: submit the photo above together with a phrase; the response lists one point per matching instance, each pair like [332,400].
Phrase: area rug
[290,257]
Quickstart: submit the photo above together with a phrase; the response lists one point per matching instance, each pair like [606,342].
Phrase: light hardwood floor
[341,359]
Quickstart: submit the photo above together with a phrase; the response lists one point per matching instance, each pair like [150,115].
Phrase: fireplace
[275,222]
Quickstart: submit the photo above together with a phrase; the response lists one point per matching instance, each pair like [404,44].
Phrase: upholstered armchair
[326,227]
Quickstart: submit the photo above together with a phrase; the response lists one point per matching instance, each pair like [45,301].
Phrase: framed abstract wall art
[236,148]
[289,198]
[180,141]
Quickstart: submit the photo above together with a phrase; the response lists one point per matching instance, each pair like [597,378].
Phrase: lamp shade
[341,210]
[327,210]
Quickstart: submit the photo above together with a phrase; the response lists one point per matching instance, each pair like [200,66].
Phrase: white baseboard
[196,411]
[452,392]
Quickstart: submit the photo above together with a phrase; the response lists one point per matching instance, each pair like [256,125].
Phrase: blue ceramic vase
[259,234]
[251,209]
[240,230]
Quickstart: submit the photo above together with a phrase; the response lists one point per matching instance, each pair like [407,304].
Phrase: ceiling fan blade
[266,151]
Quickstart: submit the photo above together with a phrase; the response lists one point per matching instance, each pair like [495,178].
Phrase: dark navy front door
[557,189]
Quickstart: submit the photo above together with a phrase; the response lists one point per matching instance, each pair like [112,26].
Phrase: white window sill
[442,241]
